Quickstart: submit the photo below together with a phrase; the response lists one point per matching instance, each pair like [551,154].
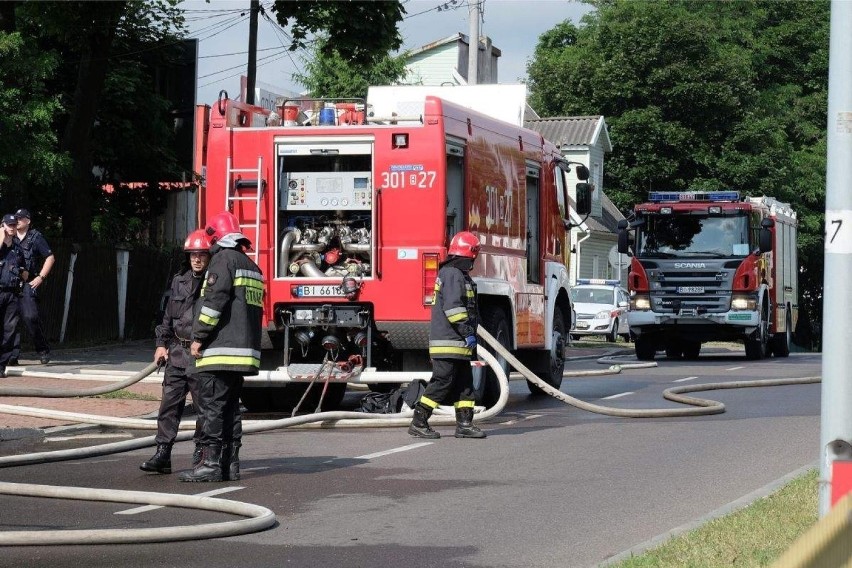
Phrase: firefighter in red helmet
[452,342]
[225,346]
[173,340]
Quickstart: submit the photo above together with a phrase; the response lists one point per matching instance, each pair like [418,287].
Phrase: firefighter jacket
[175,331]
[455,315]
[229,313]
[11,264]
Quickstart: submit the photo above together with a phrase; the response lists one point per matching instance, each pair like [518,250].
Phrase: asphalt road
[551,486]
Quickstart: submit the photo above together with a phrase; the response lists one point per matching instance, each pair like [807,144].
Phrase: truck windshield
[663,236]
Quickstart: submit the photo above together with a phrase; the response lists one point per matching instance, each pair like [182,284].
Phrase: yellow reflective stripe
[248,282]
[234,360]
[470,293]
[457,317]
[437,350]
[426,401]
[464,404]
[208,320]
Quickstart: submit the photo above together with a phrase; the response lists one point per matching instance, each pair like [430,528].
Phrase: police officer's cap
[21,213]
[9,219]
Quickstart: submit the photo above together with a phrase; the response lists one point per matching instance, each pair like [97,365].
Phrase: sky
[222,28]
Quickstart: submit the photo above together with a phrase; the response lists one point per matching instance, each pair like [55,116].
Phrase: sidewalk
[120,359]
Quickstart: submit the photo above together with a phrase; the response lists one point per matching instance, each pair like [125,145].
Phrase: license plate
[690,289]
[582,325]
[317,291]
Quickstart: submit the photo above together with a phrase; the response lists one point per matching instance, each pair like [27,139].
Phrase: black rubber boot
[464,424]
[161,462]
[197,454]
[419,427]
[210,468]
[231,461]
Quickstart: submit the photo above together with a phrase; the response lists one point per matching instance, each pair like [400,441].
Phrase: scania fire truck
[350,208]
[709,266]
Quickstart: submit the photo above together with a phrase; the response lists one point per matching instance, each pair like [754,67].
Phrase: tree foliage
[363,31]
[329,74]
[704,95]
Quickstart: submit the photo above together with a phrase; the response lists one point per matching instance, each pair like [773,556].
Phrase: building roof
[608,221]
[456,37]
[566,131]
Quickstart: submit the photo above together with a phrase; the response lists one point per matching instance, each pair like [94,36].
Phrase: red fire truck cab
[349,216]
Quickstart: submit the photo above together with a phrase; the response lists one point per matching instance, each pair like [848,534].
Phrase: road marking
[619,395]
[86,437]
[394,450]
[146,508]
[522,419]
[684,379]
[735,368]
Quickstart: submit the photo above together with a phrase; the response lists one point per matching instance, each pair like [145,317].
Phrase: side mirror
[765,238]
[582,172]
[623,241]
[584,196]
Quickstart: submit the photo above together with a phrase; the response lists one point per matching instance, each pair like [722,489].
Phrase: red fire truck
[709,266]
[350,213]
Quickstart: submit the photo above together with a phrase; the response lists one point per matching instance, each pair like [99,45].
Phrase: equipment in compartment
[328,244]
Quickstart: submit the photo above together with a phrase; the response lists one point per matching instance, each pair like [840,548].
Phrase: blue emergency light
[674,196]
[598,281]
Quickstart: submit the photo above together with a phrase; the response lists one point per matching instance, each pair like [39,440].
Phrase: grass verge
[126,395]
[753,536]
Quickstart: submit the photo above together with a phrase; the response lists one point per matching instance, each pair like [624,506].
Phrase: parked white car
[601,309]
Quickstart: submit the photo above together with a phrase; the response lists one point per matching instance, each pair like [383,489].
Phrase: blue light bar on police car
[670,196]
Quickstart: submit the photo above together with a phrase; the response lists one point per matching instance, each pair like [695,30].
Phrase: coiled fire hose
[260,517]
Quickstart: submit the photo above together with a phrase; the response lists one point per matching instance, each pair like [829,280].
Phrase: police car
[601,309]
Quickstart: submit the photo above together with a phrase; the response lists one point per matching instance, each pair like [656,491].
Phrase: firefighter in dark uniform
[173,340]
[226,346]
[12,276]
[452,342]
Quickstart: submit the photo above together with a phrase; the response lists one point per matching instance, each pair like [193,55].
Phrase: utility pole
[473,42]
[836,417]
[252,51]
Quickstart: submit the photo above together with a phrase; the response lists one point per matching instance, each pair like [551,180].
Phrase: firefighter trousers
[176,383]
[222,420]
[452,381]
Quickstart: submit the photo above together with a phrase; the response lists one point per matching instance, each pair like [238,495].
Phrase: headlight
[640,302]
[739,302]
[602,315]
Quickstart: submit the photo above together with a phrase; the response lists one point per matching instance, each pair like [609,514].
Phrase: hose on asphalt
[74,393]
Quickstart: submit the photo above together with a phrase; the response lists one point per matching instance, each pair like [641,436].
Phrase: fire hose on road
[260,518]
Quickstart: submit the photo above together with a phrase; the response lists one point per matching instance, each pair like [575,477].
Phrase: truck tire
[691,349]
[757,345]
[486,389]
[645,348]
[781,341]
[552,365]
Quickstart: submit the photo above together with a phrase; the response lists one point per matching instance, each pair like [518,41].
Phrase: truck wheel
[486,389]
[757,345]
[691,349]
[645,348]
[781,341]
[612,336]
[553,364]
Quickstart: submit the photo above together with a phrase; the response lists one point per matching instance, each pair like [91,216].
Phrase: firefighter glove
[470,341]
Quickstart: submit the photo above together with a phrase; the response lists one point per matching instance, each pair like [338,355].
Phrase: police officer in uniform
[452,342]
[35,249]
[173,341]
[226,346]
[12,276]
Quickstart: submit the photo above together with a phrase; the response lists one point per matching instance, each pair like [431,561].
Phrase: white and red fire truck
[709,266]
[350,212]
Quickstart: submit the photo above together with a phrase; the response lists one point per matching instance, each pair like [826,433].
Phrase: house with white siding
[585,139]
[445,61]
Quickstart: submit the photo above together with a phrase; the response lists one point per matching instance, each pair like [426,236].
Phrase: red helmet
[464,244]
[197,241]
[222,224]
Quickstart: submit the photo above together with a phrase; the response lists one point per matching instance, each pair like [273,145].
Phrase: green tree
[705,95]
[328,74]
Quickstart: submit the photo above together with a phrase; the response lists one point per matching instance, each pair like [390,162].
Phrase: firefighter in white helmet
[452,342]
